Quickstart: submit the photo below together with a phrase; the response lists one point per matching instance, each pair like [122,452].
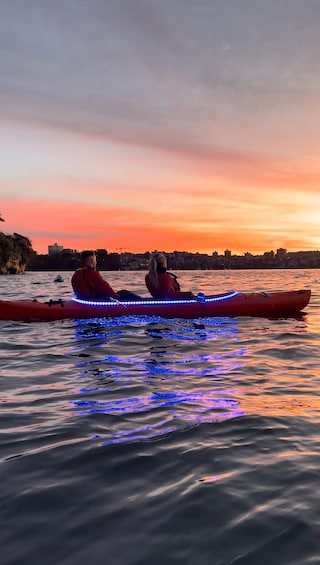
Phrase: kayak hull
[233,304]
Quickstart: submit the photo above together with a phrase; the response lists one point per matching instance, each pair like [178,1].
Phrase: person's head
[157,262]
[88,259]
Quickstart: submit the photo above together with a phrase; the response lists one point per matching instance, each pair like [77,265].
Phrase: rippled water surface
[149,441]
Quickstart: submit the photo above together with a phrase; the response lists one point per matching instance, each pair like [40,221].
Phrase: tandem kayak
[265,304]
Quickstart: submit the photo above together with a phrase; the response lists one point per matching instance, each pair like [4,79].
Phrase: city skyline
[55,248]
[68,259]
[169,125]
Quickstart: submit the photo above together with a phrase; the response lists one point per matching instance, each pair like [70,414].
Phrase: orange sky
[182,127]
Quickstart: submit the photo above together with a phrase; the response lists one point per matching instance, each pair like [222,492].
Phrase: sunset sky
[136,125]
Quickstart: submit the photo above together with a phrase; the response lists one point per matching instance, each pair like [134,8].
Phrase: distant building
[281,257]
[281,253]
[55,248]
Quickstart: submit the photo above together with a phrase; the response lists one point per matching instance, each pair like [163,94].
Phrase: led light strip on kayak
[153,302]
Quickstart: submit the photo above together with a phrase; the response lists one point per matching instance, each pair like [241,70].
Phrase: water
[149,441]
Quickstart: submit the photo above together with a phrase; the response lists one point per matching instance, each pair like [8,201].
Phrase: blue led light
[152,302]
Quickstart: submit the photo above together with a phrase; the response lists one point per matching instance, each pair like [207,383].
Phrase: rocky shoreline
[15,252]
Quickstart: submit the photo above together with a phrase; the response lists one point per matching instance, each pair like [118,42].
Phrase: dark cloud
[158,72]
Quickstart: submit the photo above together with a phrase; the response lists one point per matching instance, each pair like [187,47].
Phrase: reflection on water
[161,441]
[167,380]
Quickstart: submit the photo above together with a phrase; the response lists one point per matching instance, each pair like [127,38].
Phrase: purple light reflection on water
[154,431]
[159,363]
[189,392]
[159,400]
[206,409]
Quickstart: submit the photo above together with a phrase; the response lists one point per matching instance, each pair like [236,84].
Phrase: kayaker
[160,282]
[88,283]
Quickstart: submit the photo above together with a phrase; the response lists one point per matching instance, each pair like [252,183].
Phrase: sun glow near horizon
[195,214]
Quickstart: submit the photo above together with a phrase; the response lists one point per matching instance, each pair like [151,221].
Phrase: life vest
[167,281]
[82,288]
[175,280]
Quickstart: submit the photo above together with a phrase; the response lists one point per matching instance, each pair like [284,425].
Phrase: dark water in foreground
[149,441]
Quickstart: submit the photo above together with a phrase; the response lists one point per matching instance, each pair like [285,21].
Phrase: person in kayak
[160,282]
[88,283]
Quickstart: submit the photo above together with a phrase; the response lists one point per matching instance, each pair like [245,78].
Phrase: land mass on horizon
[17,256]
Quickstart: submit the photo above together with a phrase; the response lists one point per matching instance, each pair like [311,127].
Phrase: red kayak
[266,304]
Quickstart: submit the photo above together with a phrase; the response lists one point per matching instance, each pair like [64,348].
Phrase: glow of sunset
[139,125]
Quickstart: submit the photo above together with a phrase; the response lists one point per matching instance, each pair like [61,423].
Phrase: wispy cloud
[184,124]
